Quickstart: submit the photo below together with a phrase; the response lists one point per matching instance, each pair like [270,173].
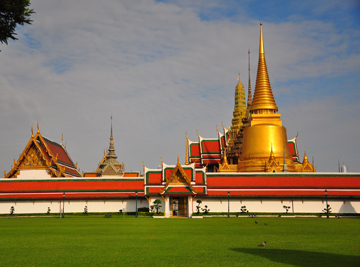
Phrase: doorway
[179,206]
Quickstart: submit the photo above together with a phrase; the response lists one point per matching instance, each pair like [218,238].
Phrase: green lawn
[99,241]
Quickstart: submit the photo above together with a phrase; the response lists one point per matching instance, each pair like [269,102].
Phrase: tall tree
[13,13]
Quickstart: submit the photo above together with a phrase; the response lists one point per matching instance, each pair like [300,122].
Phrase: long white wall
[41,206]
[276,205]
[215,205]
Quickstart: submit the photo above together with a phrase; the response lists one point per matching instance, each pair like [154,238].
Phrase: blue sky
[165,68]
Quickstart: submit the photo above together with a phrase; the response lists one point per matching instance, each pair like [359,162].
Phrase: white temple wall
[215,205]
[33,174]
[72,206]
[276,205]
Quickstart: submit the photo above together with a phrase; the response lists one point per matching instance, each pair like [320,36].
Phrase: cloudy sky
[164,68]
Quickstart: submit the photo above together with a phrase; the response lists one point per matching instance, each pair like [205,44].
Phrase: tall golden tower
[265,142]
[239,111]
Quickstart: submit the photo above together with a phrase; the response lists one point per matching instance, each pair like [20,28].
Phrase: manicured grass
[99,241]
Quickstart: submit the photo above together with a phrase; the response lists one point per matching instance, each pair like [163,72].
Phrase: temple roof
[43,153]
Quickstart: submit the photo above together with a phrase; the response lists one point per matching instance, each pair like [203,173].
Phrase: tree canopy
[12,14]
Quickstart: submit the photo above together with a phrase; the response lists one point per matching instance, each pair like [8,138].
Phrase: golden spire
[263,96]
[305,157]
[249,87]
[224,158]
[272,157]
[186,148]
[32,131]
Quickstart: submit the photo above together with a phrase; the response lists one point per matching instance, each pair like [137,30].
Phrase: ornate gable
[272,165]
[306,166]
[178,177]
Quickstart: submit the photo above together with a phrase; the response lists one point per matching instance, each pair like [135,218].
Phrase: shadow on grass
[301,258]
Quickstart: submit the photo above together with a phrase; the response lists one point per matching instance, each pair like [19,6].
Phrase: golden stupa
[265,142]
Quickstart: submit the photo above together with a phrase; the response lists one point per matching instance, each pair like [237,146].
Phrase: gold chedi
[265,142]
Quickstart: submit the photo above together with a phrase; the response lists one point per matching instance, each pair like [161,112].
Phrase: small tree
[85,210]
[48,211]
[157,206]
[12,209]
[327,209]
[206,210]
[243,209]
[198,206]
[286,208]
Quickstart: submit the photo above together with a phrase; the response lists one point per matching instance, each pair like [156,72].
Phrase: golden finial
[62,138]
[186,150]
[197,133]
[297,135]
[305,156]
[225,158]
[239,79]
[186,136]
[261,47]
[217,130]
[38,127]
[82,174]
[263,97]
[271,154]
[76,164]
[32,131]
[162,163]
[178,162]
[4,174]
[65,145]
[222,125]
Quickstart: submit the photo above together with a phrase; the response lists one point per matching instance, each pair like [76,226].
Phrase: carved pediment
[33,159]
[177,178]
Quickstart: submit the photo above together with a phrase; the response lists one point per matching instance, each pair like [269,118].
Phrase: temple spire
[249,87]
[263,101]
[111,151]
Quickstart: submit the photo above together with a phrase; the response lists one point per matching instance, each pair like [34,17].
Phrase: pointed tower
[249,102]
[109,166]
[265,135]
[239,111]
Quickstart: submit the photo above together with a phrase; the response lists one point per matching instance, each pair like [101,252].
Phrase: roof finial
[62,138]
[261,47]
[239,78]
[32,131]
[186,150]
[111,150]
[111,126]
[305,157]
[38,127]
